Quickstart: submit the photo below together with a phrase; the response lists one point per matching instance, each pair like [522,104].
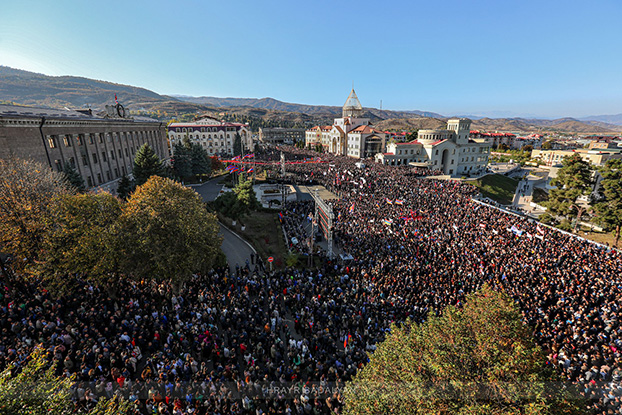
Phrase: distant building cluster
[597,153]
[215,136]
[279,135]
[508,139]
[100,147]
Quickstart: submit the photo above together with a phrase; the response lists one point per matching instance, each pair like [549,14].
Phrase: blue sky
[544,58]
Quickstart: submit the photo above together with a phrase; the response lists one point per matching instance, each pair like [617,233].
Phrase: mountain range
[33,89]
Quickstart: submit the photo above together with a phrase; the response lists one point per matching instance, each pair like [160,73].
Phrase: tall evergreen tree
[146,164]
[126,186]
[573,180]
[73,178]
[182,160]
[609,207]
[237,145]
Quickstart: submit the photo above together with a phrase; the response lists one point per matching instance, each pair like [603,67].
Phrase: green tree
[480,359]
[126,186]
[73,178]
[146,164]
[169,233]
[81,239]
[35,390]
[573,180]
[609,207]
[238,203]
[182,160]
[547,145]
[26,191]
[201,162]
[237,145]
[215,163]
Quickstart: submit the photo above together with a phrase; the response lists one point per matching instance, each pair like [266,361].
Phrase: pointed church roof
[353,101]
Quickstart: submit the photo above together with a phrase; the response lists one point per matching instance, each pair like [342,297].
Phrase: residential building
[215,136]
[100,147]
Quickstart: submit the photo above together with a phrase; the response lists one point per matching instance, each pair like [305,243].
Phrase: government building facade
[451,150]
[100,147]
[215,136]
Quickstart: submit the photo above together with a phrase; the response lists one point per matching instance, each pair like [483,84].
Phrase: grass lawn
[498,187]
[263,231]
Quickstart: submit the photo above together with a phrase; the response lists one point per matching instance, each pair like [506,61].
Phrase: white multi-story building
[450,151]
[351,135]
[215,136]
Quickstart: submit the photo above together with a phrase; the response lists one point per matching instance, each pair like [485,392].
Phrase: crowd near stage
[238,341]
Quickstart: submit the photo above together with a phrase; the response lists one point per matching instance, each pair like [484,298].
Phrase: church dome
[352,107]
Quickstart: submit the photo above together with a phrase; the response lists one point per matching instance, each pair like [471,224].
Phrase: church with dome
[351,135]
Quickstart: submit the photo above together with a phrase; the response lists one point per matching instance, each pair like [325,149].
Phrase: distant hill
[313,110]
[33,89]
[609,119]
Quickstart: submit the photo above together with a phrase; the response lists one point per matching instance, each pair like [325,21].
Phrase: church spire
[352,107]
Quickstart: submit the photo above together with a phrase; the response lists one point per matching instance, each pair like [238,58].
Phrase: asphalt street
[236,250]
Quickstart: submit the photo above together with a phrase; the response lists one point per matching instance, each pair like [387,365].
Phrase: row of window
[67,139]
[99,179]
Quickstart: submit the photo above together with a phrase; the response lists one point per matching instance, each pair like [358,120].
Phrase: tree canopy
[81,238]
[609,207]
[35,390]
[168,232]
[26,192]
[238,203]
[479,359]
[146,164]
[73,178]
[573,180]
[190,159]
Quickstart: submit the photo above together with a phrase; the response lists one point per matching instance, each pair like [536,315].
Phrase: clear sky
[546,58]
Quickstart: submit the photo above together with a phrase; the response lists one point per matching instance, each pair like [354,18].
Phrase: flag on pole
[252,169]
[388,201]
[352,208]
[280,217]
[399,202]
[115,99]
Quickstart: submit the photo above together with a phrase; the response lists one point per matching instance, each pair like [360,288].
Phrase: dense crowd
[285,342]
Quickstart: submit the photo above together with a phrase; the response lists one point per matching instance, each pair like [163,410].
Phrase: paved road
[236,250]
[209,190]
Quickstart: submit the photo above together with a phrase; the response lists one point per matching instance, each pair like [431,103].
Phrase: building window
[94,158]
[104,156]
[120,154]
[101,139]
[91,138]
[99,178]
[108,176]
[52,141]
[89,181]
[67,140]
[127,153]
[85,160]
[111,154]
[72,161]
[59,166]
[80,139]
[116,172]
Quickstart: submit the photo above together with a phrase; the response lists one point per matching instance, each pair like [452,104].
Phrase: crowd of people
[285,342]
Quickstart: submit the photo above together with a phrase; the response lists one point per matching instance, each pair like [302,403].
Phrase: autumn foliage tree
[168,232]
[26,192]
[479,359]
[81,238]
[34,389]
